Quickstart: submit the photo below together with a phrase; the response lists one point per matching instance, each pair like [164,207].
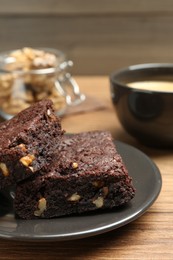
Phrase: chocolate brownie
[27,142]
[88,174]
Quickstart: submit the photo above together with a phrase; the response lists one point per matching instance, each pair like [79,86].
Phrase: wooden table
[148,237]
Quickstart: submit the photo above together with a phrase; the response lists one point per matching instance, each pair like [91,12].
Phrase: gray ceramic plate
[146,179]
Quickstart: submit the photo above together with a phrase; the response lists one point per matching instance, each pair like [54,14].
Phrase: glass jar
[29,75]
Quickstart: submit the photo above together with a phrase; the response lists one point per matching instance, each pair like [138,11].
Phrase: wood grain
[81,7]
[150,237]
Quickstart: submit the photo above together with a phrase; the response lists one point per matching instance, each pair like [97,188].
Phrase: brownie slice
[27,142]
[88,174]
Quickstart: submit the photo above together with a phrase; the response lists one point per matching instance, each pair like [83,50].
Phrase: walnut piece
[48,112]
[22,147]
[31,168]
[99,202]
[74,197]
[74,165]
[42,204]
[27,160]
[4,169]
[51,115]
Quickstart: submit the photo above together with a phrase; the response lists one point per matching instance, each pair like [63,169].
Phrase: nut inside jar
[29,75]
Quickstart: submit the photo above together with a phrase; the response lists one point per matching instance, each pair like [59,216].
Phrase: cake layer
[87,174]
[27,142]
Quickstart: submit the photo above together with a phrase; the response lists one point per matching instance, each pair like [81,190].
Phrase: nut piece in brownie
[27,142]
[87,175]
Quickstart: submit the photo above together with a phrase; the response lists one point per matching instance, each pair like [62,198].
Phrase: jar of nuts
[28,75]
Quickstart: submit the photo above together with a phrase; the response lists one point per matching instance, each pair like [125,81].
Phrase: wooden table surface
[148,237]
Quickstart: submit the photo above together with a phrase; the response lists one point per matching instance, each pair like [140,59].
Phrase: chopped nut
[22,147]
[74,165]
[98,202]
[51,115]
[4,169]
[98,184]
[48,112]
[31,168]
[74,197]
[27,160]
[41,207]
[29,53]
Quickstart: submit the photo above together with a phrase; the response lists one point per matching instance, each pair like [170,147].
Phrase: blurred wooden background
[98,35]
